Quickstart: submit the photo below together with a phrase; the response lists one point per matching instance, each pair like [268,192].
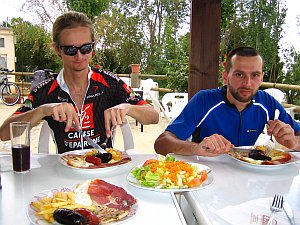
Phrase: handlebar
[3,70]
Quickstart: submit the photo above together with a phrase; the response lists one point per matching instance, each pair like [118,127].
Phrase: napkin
[252,212]
[6,163]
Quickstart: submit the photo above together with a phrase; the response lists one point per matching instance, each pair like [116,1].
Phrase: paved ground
[143,140]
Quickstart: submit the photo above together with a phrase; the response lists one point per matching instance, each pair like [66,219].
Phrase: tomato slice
[150,161]
[93,159]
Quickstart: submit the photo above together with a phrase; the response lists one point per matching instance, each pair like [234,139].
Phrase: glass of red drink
[20,144]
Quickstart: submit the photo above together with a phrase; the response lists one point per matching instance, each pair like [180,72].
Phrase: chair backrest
[44,138]
[127,136]
[161,111]
[45,133]
[276,93]
[146,86]
[174,103]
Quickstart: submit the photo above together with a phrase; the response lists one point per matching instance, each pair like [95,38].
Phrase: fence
[136,77]
[25,86]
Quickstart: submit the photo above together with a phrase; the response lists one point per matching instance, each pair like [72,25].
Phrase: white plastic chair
[178,102]
[45,133]
[127,136]
[164,119]
[146,86]
[280,97]
[44,138]
[276,93]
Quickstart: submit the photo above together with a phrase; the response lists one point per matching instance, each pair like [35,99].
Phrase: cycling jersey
[105,90]
[209,112]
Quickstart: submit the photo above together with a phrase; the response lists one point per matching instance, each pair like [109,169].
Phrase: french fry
[61,200]
[51,219]
[58,204]
[46,206]
[71,196]
[46,211]
[46,216]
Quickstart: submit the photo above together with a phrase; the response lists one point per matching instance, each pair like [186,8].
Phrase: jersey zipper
[239,129]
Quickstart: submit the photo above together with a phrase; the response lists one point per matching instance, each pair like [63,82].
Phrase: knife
[242,149]
[90,141]
[249,149]
[289,212]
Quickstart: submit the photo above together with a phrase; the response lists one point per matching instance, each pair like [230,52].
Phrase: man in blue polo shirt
[234,115]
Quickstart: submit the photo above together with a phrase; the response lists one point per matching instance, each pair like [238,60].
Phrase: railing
[136,77]
[25,86]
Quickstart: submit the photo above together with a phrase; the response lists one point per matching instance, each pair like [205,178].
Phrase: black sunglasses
[72,50]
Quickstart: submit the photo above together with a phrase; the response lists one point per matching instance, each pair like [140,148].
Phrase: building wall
[7,52]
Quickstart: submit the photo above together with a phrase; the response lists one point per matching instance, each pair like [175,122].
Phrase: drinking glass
[20,144]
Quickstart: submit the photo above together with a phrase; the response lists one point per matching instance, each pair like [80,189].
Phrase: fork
[271,142]
[104,144]
[277,206]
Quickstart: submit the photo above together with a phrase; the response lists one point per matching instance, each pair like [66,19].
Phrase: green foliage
[293,77]
[147,32]
[177,66]
[147,35]
[257,24]
[33,47]
[92,8]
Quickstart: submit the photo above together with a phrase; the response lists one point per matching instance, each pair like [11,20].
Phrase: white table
[18,190]
[235,183]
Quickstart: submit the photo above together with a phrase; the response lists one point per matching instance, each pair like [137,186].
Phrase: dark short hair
[70,20]
[241,51]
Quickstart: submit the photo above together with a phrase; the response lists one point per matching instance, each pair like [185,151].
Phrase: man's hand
[283,133]
[62,112]
[115,116]
[213,145]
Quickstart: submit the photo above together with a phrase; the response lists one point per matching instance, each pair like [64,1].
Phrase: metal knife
[242,149]
[249,149]
[289,212]
[90,141]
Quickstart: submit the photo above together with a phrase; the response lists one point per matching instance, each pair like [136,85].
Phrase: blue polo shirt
[209,112]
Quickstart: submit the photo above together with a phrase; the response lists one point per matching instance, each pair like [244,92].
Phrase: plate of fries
[42,206]
[40,211]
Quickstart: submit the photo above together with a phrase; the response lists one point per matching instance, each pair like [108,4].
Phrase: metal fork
[276,206]
[104,144]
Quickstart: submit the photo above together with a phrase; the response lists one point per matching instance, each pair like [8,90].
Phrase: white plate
[34,219]
[294,159]
[82,152]
[134,182]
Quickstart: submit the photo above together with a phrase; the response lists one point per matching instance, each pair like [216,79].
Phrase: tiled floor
[143,140]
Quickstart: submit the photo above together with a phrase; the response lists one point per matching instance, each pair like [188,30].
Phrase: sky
[11,8]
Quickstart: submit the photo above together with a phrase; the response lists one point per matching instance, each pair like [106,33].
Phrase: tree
[293,77]
[92,8]
[256,23]
[33,47]
[44,12]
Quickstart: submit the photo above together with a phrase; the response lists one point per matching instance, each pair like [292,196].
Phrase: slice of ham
[125,159]
[103,193]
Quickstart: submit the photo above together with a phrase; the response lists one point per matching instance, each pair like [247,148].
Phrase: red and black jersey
[105,90]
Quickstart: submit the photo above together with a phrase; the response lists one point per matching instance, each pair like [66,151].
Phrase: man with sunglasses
[93,101]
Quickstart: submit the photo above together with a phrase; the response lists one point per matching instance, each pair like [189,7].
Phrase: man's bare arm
[214,145]
[62,112]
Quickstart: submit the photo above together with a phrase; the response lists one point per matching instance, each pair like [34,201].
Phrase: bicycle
[39,76]
[9,92]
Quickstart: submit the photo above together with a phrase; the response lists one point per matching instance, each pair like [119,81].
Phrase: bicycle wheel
[10,94]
